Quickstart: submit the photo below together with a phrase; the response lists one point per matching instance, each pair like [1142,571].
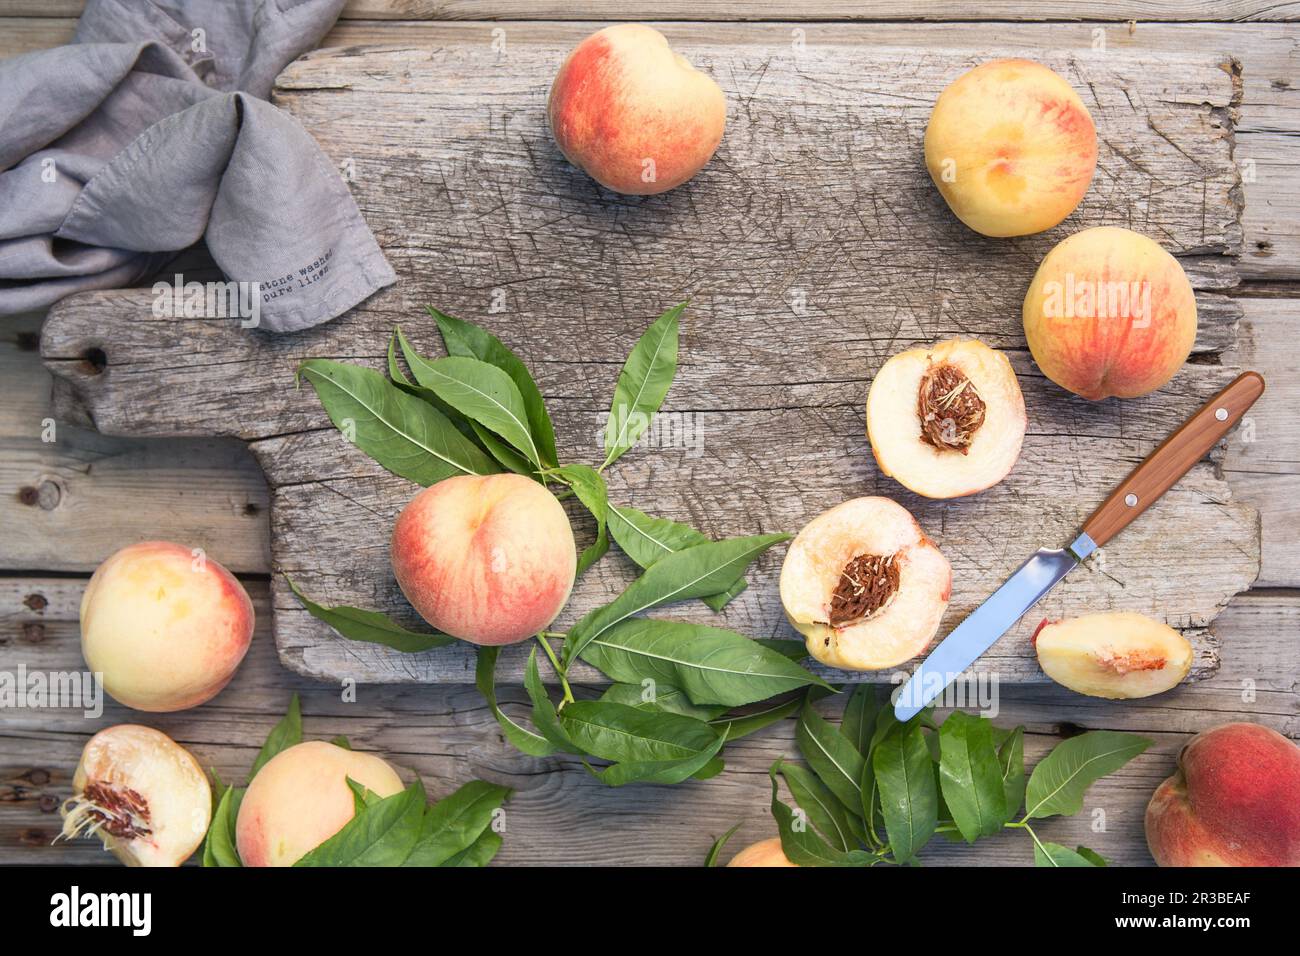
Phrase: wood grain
[812,248]
[560,815]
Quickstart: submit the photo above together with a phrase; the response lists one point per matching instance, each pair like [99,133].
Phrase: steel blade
[987,623]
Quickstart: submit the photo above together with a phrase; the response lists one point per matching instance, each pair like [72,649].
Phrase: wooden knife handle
[1174,458]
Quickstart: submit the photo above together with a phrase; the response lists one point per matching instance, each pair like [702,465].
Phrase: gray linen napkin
[147,133]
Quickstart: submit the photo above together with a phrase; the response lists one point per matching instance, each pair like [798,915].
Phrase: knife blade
[1048,566]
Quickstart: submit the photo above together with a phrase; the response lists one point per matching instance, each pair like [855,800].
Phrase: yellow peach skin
[166,627]
[1110,313]
[488,559]
[301,798]
[634,115]
[1011,147]
[142,794]
[763,853]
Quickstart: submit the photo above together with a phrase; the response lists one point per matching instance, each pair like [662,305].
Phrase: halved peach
[1118,655]
[946,421]
[864,585]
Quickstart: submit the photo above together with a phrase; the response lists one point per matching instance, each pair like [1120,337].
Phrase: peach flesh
[301,798]
[901,619]
[1110,313]
[634,115]
[895,428]
[490,560]
[763,853]
[165,627]
[1011,148]
[1117,655]
[141,793]
[1232,802]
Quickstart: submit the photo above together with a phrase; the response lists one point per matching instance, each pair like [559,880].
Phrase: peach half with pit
[142,794]
[489,559]
[1110,313]
[166,625]
[1118,655]
[1011,147]
[1232,802]
[864,585]
[763,853]
[946,421]
[300,798]
[632,114]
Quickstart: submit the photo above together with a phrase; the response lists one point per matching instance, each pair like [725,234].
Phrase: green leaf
[713,665]
[831,757]
[465,338]
[478,390]
[908,796]
[370,626]
[653,695]
[341,741]
[859,722]
[1092,856]
[545,718]
[459,421]
[745,724]
[384,834]
[409,437]
[533,744]
[1058,783]
[801,844]
[646,539]
[821,806]
[716,850]
[687,574]
[478,853]
[456,822]
[589,486]
[627,734]
[285,734]
[642,384]
[219,846]
[970,776]
[701,766]
[1011,760]
[1053,854]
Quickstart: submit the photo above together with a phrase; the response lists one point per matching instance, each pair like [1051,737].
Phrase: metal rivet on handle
[1221,414]
[1131,500]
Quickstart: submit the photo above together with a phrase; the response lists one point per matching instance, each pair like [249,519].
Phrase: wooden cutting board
[812,248]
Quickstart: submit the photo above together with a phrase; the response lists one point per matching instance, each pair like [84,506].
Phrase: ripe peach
[301,798]
[1232,802]
[1110,313]
[488,559]
[632,114]
[1117,655]
[864,585]
[1011,147]
[141,793]
[763,853]
[946,421]
[165,625]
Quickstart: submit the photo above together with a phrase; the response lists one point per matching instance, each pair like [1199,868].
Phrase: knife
[1151,479]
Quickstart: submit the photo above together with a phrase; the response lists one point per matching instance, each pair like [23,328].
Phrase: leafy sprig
[399,830]
[681,691]
[876,790]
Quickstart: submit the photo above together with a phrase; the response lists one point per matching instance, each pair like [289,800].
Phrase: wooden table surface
[65,506]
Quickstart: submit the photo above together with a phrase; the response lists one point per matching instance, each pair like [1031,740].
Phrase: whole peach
[1011,147]
[634,115]
[1110,312]
[301,798]
[489,559]
[763,853]
[1235,801]
[165,625]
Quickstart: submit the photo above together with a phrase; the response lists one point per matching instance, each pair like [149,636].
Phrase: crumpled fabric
[149,132]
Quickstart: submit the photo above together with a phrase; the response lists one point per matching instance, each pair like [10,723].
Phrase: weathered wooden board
[813,247]
[559,813]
